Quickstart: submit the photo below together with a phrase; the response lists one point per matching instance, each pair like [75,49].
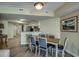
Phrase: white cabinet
[24,35]
[23,38]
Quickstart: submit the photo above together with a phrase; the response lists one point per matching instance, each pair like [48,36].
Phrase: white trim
[23,43]
[73,54]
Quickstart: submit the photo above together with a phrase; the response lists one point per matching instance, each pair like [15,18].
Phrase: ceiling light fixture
[38,5]
[22,19]
[20,22]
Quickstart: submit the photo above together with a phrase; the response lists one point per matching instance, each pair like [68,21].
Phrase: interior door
[11,30]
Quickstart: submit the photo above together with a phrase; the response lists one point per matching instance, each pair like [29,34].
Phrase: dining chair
[33,44]
[50,44]
[52,47]
[43,46]
[42,35]
[61,48]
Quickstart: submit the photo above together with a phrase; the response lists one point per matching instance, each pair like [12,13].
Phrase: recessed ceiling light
[38,5]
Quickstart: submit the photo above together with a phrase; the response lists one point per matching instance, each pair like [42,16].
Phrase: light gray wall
[73,37]
[10,29]
[5,31]
[51,26]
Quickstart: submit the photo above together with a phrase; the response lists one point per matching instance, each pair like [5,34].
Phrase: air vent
[21,9]
[46,11]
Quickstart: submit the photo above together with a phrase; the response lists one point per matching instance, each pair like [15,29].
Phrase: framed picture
[70,24]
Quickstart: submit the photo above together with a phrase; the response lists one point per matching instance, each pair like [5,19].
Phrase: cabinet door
[23,38]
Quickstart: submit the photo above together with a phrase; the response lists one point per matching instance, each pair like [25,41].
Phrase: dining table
[2,37]
[50,41]
[55,42]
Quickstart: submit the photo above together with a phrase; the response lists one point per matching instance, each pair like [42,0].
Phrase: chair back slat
[65,42]
[43,42]
[33,41]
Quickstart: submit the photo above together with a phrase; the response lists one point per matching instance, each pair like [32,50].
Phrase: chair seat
[37,43]
[50,45]
[33,45]
[60,47]
[42,47]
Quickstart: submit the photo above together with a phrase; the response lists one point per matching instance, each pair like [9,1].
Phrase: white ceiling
[18,17]
[48,6]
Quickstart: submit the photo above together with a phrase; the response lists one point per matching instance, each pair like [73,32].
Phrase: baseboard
[24,44]
[71,53]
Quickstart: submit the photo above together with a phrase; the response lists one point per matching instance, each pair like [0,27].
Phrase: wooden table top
[52,40]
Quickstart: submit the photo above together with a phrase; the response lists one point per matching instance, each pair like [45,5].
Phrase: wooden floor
[16,50]
[12,42]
